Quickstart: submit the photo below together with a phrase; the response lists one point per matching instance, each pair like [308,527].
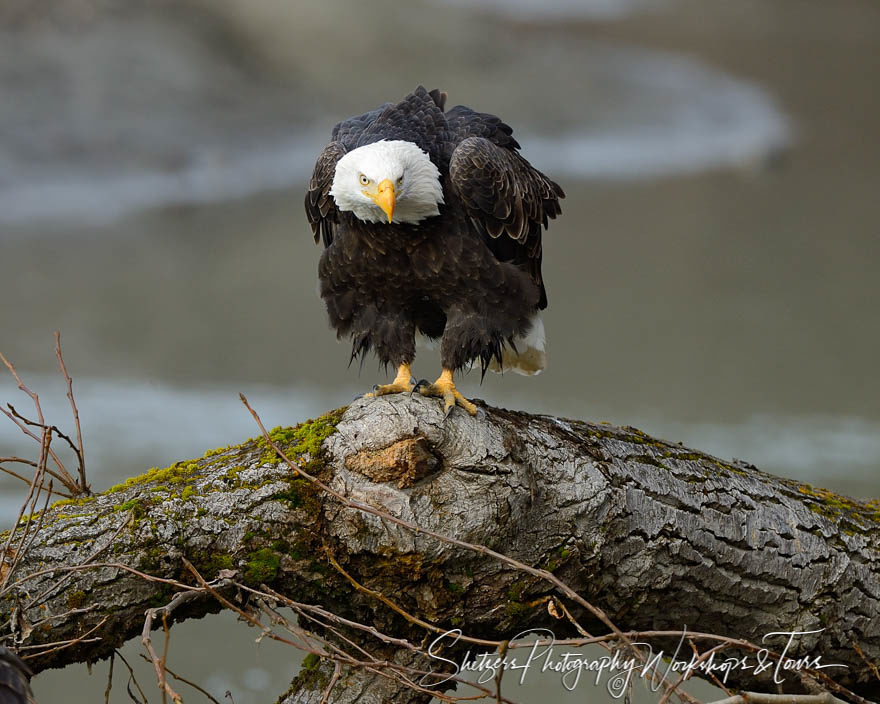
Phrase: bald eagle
[15,679]
[431,222]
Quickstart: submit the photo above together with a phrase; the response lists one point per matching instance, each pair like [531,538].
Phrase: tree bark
[658,536]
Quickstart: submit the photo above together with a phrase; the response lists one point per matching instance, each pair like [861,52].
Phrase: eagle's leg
[444,387]
[403,383]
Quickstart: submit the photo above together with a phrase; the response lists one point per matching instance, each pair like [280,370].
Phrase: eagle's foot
[394,387]
[403,383]
[444,388]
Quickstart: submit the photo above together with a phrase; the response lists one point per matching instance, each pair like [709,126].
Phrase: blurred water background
[712,279]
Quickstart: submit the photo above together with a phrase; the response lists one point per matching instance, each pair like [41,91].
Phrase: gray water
[711,281]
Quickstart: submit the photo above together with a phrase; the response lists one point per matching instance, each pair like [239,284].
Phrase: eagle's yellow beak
[384,197]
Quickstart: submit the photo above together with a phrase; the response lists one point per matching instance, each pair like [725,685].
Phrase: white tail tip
[530,357]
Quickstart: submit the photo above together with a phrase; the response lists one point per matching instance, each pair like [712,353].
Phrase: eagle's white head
[387,181]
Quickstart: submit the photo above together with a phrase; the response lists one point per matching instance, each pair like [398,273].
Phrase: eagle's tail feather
[439,97]
[528,356]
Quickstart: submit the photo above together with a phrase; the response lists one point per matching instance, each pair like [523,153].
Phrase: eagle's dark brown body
[470,275]
[382,284]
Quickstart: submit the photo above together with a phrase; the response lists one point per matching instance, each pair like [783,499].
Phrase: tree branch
[523,522]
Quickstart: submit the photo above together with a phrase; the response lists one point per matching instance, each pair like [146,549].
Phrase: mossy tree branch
[656,535]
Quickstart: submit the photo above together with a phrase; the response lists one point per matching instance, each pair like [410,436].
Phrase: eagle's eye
[364,180]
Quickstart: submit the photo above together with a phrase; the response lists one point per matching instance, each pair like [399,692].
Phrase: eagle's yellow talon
[402,384]
[444,388]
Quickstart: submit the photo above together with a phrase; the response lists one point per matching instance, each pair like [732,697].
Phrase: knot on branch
[406,461]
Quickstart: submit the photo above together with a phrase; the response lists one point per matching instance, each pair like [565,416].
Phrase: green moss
[178,473]
[840,509]
[516,591]
[161,597]
[453,587]
[300,493]
[304,439]
[78,501]
[210,566]
[76,600]
[318,567]
[299,550]
[216,451]
[69,516]
[556,560]
[300,441]
[135,505]
[677,455]
[262,566]
[633,436]
[310,678]
[648,459]
[151,559]
[689,456]
[514,609]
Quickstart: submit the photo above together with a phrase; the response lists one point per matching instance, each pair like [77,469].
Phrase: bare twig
[131,678]
[33,495]
[98,565]
[761,698]
[337,670]
[380,667]
[46,593]
[8,471]
[186,681]
[23,548]
[673,688]
[16,418]
[870,664]
[22,422]
[147,641]
[502,653]
[390,604]
[109,678]
[79,448]
[22,387]
[84,638]
[718,683]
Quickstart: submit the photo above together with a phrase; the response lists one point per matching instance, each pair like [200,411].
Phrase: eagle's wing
[506,198]
[320,206]
[14,678]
